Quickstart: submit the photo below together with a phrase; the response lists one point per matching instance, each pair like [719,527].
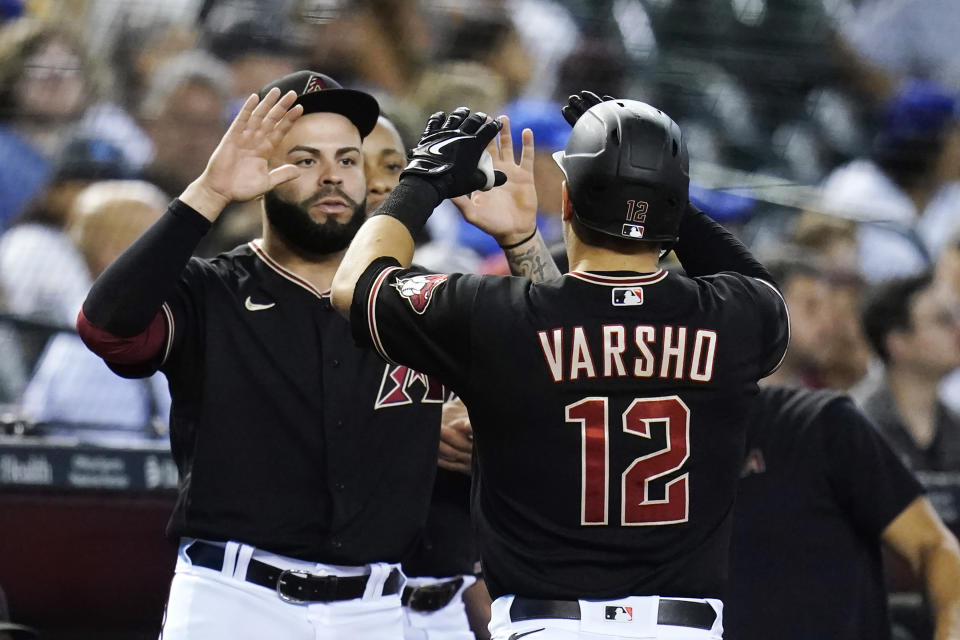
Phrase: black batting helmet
[627,171]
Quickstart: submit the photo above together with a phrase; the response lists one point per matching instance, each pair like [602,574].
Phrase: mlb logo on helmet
[632,231]
[619,614]
[314,84]
[627,296]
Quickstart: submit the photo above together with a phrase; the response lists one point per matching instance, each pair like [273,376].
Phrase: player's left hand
[451,153]
[456,438]
[508,213]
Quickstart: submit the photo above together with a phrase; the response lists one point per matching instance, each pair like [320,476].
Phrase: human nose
[330,173]
[379,185]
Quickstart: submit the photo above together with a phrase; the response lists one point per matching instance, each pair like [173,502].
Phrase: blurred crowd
[825,133]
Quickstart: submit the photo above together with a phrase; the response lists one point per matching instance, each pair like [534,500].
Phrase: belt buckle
[296,573]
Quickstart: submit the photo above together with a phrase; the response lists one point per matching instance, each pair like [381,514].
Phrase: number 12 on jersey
[637,507]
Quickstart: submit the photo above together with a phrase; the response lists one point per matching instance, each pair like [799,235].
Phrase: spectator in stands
[909,38]
[184,110]
[72,391]
[908,190]
[50,86]
[820,327]
[550,133]
[258,43]
[42,274]
[914,327]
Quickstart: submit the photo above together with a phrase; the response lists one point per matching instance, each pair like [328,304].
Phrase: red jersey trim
[372,313]
[619,281]
[132,350]
[284,272]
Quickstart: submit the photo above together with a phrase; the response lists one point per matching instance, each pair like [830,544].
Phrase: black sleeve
[870,483]
[128,295]
[704,248]
[416,318]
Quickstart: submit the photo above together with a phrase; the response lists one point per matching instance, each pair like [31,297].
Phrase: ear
[566,207]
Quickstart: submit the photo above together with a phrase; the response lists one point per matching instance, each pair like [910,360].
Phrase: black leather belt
[293,585]
[431,597]
[676,613]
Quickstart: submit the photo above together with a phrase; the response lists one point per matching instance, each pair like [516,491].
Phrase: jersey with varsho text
[819,487]
[287,436]
[608,411]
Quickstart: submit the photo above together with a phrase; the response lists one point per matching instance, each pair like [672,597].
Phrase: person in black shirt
[306,463]
[608,405]
[820,491]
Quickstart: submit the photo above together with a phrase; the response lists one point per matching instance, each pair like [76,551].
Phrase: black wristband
[507,247]
[411,202]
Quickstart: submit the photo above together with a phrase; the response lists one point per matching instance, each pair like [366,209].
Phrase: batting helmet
[627,171]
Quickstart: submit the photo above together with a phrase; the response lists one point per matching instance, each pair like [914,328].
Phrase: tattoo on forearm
[532,260]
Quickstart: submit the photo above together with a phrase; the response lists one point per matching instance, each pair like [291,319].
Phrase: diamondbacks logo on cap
[619,614]
[418,290]
[628,296]
[314,84]
[632,231]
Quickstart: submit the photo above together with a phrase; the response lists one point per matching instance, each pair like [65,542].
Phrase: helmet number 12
[637,508]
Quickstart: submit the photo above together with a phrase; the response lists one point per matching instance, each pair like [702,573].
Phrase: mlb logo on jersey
[627,296]
[418,290]
[632,231]
[314,84]
[619,614]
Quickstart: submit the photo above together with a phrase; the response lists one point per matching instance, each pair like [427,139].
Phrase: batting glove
[452,156]
[578,104]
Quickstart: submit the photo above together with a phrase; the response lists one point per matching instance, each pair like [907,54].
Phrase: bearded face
[300,231]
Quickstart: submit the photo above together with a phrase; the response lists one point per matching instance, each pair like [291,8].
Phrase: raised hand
[450,154]
[238,169]
[509,212]
[579,103]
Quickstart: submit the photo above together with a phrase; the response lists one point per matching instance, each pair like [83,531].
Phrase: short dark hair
[791,263]
[887,309]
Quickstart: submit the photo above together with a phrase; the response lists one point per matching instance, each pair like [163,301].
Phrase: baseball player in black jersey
[821,490]
[608,405]
[440,568]
[306,463]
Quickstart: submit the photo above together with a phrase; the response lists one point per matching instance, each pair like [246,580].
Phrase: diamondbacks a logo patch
[314,84]
[619,614]
[418,290]
[627,296]
[632,231]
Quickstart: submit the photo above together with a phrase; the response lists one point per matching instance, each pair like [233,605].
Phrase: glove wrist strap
[411,202]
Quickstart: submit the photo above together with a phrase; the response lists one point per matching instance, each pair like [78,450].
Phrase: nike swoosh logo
[254,306]
[517,636]
[437,147]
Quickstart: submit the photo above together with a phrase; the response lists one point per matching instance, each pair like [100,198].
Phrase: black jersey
[447,547]
[608,412]
[819,487]
[287,436]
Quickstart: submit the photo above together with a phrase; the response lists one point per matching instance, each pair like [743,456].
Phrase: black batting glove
[451,154]
[579,103]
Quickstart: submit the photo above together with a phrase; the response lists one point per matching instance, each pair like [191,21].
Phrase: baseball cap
[319,93]
[919,109]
